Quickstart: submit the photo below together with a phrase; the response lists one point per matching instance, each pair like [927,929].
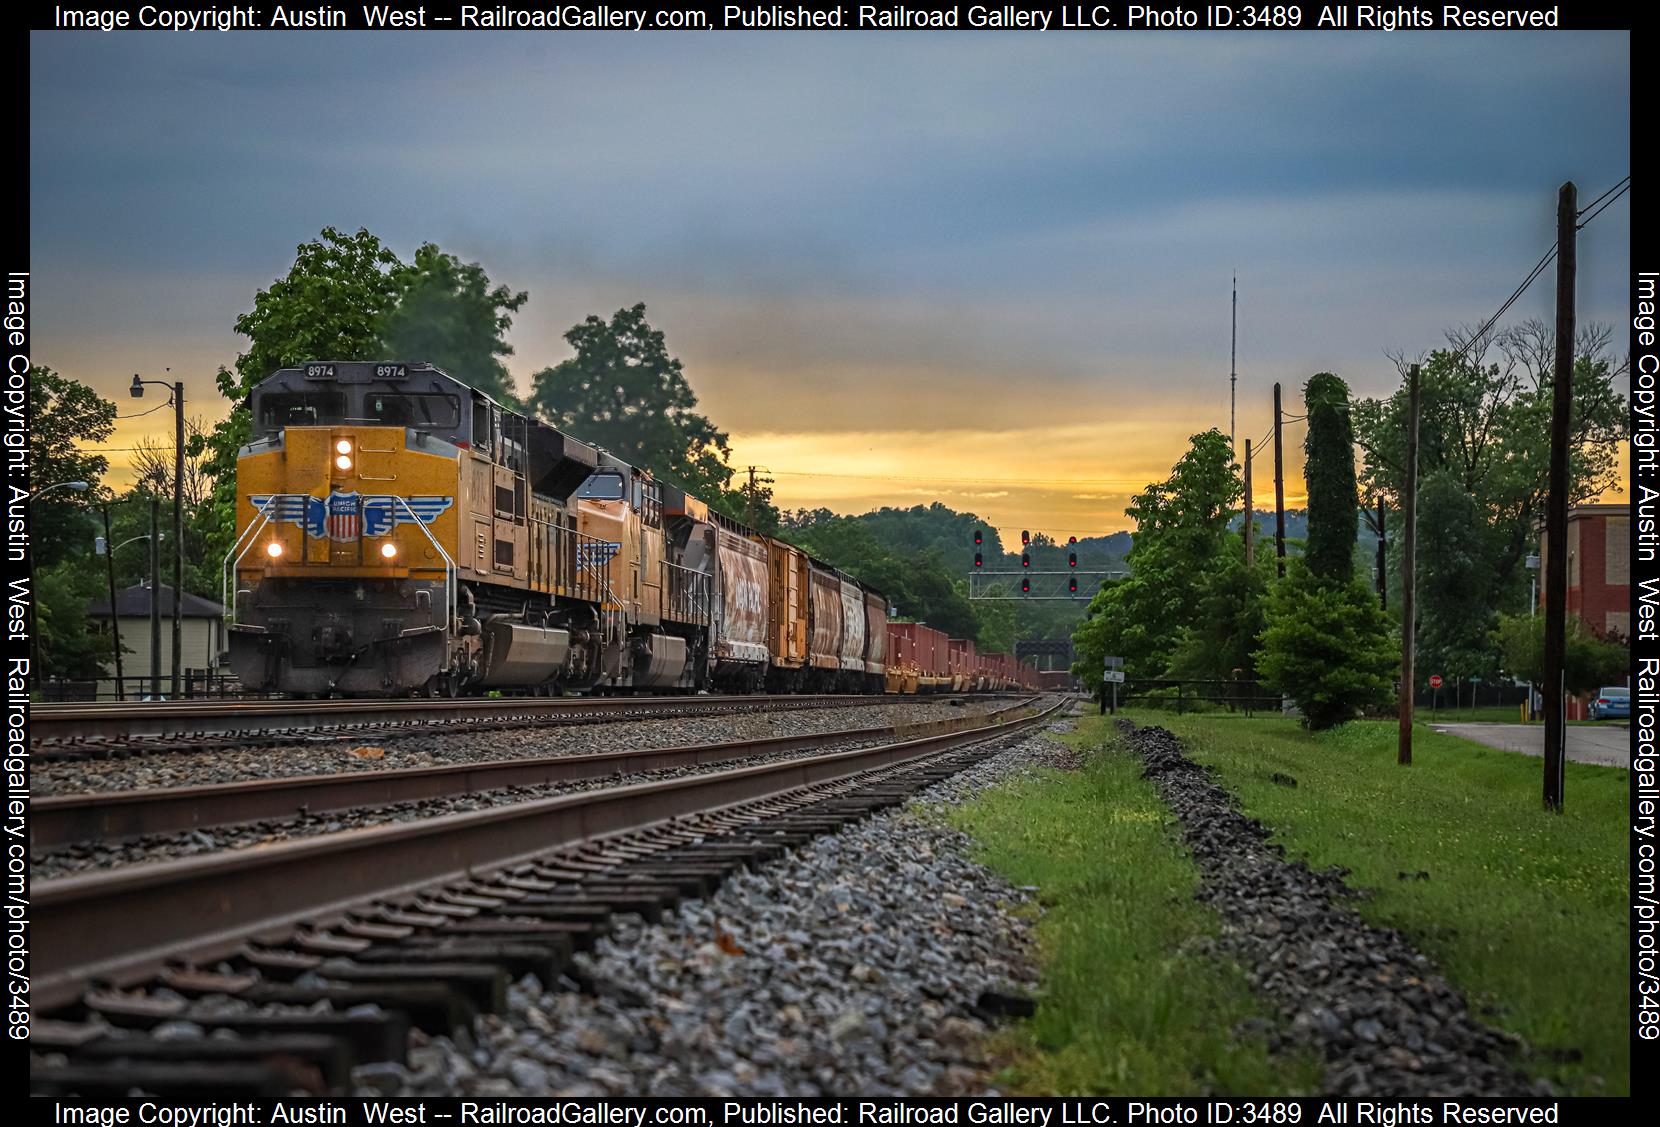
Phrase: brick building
[1599,573]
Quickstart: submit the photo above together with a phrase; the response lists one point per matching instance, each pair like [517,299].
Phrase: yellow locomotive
[399,532]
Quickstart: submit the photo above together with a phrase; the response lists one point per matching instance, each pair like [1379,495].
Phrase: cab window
[422,410]
[278,409]
[602,487]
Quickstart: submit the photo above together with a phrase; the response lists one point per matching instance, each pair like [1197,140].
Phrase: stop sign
[1435,680]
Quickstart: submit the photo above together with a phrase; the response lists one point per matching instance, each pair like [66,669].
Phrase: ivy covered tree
[1333,507]
[1328,645]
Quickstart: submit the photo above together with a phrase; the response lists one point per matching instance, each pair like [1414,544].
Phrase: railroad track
[106,816]
[418,924]
[67,731]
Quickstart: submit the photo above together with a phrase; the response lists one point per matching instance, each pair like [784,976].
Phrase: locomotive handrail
[450,577]
[226,590]
[249,534]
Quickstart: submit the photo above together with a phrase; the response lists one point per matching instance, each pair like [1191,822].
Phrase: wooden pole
[178,536]
[115,612]
[1250,512]
[1279,488]
[1409,574]
[155,596]
[1383,560]
[1556,506]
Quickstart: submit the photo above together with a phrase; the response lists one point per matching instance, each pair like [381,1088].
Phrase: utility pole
[1383,559]
[115,612]
[1556,507]
[178,535]
[1250,513]
[1233,372]
[1279,488]
[1409,575]
[155,597]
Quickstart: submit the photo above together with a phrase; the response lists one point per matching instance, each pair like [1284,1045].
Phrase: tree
[623,391]
[1222,641]
[1487,423]
[1455,582]
[1328,646]
[62,413]
[1329,469]
[446,313]
[69,647]
[1328,643]
[1181,539]
[1588,662]
[152,466]
[330,306]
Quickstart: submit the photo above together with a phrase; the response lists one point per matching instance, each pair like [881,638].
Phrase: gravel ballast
[1383,1017]
[868,960]
[463,744]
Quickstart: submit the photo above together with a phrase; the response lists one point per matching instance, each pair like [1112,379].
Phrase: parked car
[1611,700]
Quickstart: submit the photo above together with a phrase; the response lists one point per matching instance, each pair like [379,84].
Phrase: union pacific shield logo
[347,516]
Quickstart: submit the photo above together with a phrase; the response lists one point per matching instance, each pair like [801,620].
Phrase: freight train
[401,533]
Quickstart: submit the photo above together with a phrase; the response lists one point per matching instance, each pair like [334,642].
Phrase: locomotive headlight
[388,550]
[344,446]
[274,550]
[343,462]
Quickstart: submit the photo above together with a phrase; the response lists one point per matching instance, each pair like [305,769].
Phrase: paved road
[1601,745]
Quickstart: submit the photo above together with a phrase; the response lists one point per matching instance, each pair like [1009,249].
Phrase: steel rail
[123,926]
[68,725]
[96,816]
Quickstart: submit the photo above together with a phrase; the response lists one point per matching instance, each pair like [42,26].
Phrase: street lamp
[177,389]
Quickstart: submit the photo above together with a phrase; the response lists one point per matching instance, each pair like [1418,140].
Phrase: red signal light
[1072,559]
[1025,584]
[1025,537]
[1073,585]
[978,562]
[1025,560]
[1071,539]
[977,540]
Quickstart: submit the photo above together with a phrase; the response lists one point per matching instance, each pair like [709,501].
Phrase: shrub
[1328,646]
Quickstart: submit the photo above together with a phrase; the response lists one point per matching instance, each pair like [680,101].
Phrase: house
[201,638]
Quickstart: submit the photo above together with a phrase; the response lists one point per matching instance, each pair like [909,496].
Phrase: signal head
[1025,584]
[977,540]
[1072,585]
[978,562]
[1072,559]
[1025,560]
[1025,537]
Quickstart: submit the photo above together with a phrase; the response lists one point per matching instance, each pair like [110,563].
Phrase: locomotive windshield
[602,487]
[425,410]
[278,409]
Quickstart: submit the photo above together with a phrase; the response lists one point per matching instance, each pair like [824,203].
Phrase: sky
[989,269]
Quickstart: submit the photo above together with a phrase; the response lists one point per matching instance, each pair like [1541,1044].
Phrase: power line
[1612,194]
[1621,184]
[1604,207]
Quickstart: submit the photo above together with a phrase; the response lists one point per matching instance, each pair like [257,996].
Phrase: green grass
[1128,1004]
[1524,911]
